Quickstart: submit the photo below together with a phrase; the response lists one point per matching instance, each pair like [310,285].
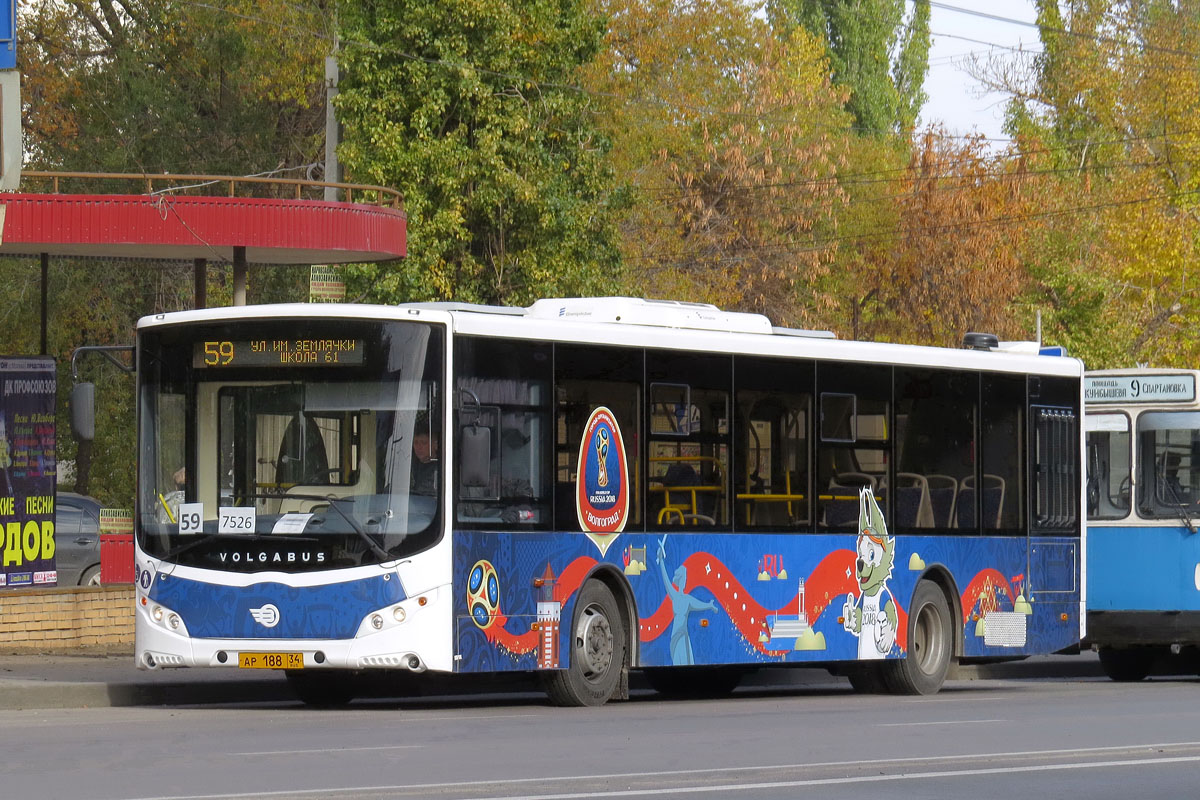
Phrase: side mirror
[83,411]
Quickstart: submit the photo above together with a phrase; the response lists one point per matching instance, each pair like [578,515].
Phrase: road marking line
[329,750]
[943,722]
[666,773]
[745,787]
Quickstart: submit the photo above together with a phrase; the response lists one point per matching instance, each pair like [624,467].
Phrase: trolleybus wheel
[321,688]
[1127,665]
[930,639]
[694,681]
[597,652]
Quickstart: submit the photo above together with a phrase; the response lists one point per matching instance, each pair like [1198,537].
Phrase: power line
[815,244]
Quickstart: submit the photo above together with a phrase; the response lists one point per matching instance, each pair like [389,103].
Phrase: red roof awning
[184,228]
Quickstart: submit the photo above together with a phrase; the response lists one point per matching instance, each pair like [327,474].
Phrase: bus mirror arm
[83,395]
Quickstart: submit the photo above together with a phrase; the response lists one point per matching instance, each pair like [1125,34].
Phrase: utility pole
[333,170]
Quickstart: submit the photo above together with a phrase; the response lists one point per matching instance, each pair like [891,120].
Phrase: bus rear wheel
[930,642]
[597,652]
[1126,665]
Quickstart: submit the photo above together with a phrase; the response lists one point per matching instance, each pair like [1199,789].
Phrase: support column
[239,276]
[200,280]
[45,299]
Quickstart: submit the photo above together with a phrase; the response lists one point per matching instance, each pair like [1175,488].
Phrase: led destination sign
[279,353]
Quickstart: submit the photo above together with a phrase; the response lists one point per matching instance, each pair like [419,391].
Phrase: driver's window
[1108,466]
[1169,454]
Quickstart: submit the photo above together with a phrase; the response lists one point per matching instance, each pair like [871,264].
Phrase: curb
[24,695]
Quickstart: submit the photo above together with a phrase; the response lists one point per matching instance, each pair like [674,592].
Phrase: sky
[954,96]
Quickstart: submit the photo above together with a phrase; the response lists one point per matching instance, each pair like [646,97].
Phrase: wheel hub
[595,642]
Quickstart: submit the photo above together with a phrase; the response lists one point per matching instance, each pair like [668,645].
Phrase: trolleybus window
[1109,466]
[1169,444]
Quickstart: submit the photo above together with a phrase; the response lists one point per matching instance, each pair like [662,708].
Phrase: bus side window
[936,415]
[688,483]
[588,378]
[503,405]
[771,460]
[853,408]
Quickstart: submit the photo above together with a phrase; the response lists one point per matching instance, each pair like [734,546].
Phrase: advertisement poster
[27,472]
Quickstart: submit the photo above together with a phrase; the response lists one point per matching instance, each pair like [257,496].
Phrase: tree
[876,53]
[1110,105]
[730,138]
[952,262]
[473,111]
[155,85]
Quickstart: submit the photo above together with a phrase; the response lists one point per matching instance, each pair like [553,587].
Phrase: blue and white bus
[586,487]
[1143,506]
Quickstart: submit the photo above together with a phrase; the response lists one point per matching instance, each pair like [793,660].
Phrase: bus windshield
[290,447]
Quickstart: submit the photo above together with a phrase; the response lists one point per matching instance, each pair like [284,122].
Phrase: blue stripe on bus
[331,611]
[1143,568]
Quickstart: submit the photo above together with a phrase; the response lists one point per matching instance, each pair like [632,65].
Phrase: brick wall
[67,620]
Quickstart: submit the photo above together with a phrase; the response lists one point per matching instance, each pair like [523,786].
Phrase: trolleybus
[586,487]
[1143,507]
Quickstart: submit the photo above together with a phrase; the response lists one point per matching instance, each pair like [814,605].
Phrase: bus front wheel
[930,641]
[597,653]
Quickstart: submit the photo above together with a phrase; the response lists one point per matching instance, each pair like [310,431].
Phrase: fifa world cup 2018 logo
[602,457]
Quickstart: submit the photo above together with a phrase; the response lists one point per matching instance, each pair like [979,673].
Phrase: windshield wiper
[335,503]
[1179,505]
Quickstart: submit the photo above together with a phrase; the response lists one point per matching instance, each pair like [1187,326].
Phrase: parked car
[77,539]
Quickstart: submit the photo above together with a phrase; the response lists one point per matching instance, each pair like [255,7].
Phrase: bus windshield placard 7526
[278,353]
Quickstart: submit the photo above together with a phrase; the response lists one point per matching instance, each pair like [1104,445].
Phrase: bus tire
[707,682]
[930,644]
[321,688]
[597,651]
[1126,665]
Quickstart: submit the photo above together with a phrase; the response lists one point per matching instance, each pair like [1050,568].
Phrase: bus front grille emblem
[267,616]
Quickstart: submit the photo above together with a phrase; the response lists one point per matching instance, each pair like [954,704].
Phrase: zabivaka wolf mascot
[872,615]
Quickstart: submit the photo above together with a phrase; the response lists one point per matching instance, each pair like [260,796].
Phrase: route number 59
[191,517]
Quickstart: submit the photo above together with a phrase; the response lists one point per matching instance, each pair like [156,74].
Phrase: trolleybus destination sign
[1179,388]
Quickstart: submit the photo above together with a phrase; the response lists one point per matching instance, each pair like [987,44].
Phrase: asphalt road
[54,681]
[1047,737]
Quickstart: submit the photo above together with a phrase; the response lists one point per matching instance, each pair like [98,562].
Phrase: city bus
[592,486]
[1143,509]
